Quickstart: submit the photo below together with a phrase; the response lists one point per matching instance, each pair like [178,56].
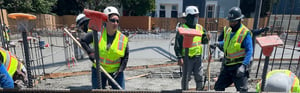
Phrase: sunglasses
[114,20]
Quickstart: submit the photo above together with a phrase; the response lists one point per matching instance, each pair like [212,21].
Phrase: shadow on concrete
[159,50]
[78,88]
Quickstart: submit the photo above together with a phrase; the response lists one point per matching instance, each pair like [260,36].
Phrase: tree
[42,6]
[99,5]
[28,6]
[67,7]
[137,7]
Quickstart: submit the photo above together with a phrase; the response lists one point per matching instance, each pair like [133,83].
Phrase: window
[210,11]
[174,12]
[174,7]
[162,7]
[162,11]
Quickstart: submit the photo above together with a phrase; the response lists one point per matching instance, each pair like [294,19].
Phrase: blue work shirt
[246,44]
[5,79]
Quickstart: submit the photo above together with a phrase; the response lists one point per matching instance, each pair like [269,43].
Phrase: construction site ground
[151,50]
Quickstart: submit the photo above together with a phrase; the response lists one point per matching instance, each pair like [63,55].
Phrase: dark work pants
[228,76]
[192,65]
[120,79]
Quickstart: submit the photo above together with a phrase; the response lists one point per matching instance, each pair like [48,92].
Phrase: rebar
[287,34]
[281,25]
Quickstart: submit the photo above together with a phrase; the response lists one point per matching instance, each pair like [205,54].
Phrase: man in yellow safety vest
[236,42]
[194,62]
[113,50]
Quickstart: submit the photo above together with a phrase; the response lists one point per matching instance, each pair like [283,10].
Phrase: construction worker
[6,80]
[14,67]
[194,63]
[113,50]
[82,23]
[280,81]
[5,34]
[236,42]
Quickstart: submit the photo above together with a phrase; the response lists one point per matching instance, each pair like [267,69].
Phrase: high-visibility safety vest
[196,48]
[9,61]
[110,59]
[232,47]
[295,81]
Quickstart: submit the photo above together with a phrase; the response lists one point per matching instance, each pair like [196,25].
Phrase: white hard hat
[191,10]
[80,16]
[80,19]
[278,82]
[111,10]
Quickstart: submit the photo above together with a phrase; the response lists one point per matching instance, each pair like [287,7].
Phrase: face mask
[191,21]
[85,27]
[195,21]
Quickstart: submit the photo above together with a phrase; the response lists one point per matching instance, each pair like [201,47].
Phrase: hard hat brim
[241,17]
[81,21]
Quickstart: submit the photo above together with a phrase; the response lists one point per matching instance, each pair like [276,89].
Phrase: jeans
[120,79]
[228,76]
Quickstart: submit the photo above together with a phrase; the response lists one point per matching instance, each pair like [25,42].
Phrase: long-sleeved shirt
[88,39]
[6,80]
[247,44]
[179,41]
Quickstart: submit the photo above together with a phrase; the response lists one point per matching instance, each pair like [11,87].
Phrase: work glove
[214,45]
[180,62]
[92,56]
[115,74]
[265,29]
[241,71]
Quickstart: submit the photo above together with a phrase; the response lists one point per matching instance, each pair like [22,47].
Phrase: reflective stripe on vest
[232,45]
[239,40]
[110,58]
[227,30]
[236,54]
[108,61]
[198,43]
[196,48]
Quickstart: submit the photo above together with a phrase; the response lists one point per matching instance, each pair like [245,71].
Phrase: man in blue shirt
[236,42]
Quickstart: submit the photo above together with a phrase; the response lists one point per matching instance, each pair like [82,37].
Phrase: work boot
[199,86]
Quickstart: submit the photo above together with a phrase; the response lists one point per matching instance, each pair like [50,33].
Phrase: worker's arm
[85,41]
[257,32]
[124,60]
[221,41]
[5,80]
[247,44]
[205,37]
[178,45]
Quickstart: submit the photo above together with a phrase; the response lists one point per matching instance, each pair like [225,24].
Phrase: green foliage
[43,6]
[28,6]
[138,7]
[67,7]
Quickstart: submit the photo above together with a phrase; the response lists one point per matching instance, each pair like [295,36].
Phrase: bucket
[42,44]
[187,41]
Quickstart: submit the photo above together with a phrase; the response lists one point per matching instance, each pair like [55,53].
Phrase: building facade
[168,8]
